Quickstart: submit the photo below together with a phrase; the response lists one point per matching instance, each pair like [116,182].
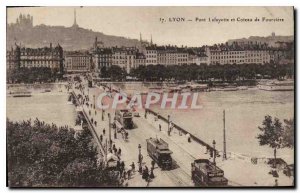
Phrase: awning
[111,157]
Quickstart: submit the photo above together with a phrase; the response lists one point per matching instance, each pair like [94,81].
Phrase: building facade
[151,54]
[13,58]
[78,62]
[238,55]
[49,57]
[102,57]
[140,60]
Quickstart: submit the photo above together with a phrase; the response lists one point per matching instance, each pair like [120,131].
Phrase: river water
[50,107]
[245,111]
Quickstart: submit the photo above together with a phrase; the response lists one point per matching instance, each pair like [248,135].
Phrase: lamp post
[140,159]
[94,101]
[224,138]
[102,115]
[109,127]
[214,152]
[169,125]
[115,127]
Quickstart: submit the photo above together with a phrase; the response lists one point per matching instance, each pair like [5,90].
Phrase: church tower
[141,38]
[75,25]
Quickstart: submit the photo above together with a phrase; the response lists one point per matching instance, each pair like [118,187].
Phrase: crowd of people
[125,173]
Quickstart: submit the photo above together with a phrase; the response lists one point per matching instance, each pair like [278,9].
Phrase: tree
[43,155]
[289,133]
[115,73]
[271,134]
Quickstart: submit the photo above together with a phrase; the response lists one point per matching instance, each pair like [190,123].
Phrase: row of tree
[43,155]
[114,73]
[276,135]
[32,75]
[227,72]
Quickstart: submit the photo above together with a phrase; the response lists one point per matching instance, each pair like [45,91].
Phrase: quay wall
[182,130]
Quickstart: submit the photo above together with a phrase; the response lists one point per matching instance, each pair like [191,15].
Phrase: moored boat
[21,94]
[226,88]
[286,85]
[243,88]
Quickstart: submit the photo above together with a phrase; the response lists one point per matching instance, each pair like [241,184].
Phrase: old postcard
[150,97]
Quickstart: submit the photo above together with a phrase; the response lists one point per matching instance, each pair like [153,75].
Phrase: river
[50,107]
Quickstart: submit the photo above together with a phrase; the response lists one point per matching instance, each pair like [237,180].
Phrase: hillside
[70,38]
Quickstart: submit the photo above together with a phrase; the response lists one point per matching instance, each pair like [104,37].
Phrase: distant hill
[270,40]
[70,38]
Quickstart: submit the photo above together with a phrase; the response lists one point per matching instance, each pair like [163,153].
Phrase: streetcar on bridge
[124,119]
[159,151]
[205,173]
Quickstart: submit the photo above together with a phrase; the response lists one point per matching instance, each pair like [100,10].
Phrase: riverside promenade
[184,153]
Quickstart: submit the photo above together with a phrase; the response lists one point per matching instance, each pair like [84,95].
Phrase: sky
[131,21]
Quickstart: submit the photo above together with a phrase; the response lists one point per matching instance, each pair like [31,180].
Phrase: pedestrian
[276,182]
[114,146]
[129,174]
[151,174]
[118,166]
[101,138]
[133,167]
[119,152]
[122,133]
[96,123]
[159,127]
[146,173]
[153,163]
[122,166]
[124,174]
[104,131]
[207,149]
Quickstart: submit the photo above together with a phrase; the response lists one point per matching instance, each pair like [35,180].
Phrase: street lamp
[102,115]
[115,127]
[140,159]
[139,149]
[109,127]
[214,151]
[169,125]
[94,101]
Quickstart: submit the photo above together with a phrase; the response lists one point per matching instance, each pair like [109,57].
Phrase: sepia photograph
[150,97]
